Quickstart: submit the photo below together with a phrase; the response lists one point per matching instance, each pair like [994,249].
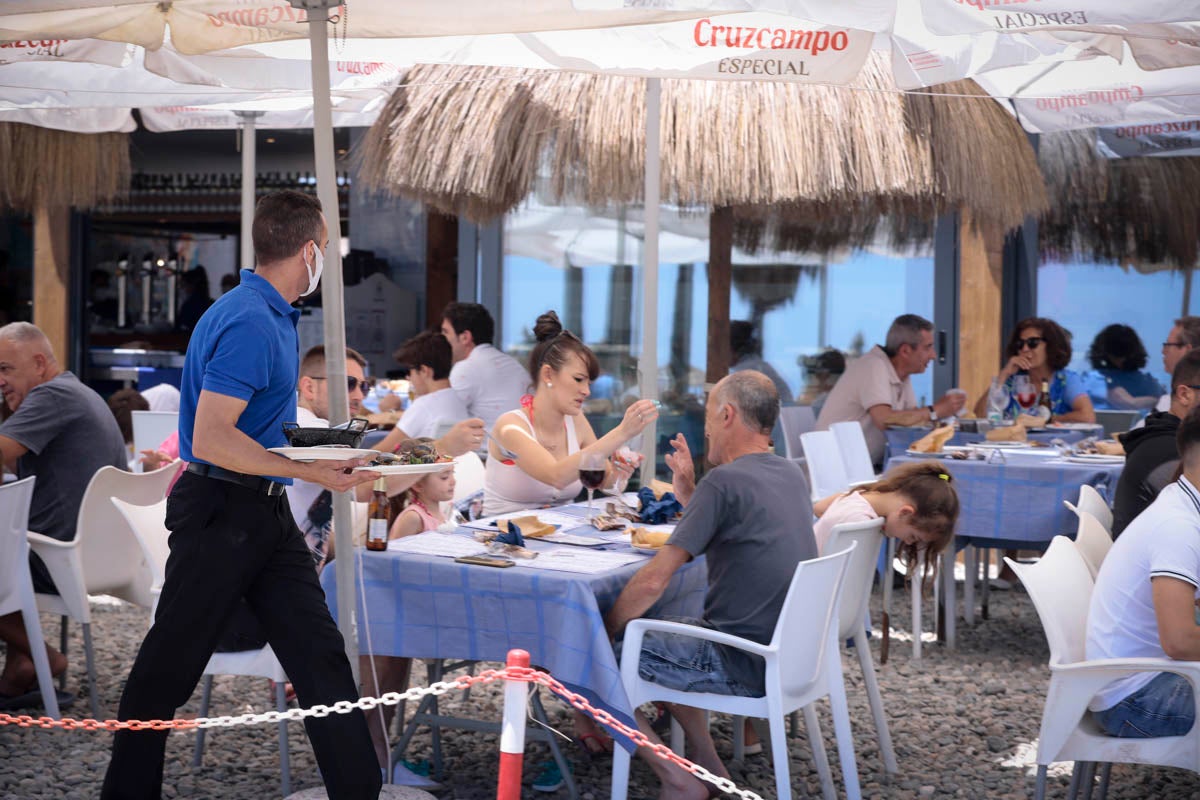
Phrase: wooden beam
[51,278]
[441,265]
[980,300]
[720,273]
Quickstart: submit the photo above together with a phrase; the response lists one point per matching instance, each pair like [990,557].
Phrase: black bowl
[350,436]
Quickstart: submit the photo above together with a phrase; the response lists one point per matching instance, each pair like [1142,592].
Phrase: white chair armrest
[639,627]
[40,541]
[1099,672]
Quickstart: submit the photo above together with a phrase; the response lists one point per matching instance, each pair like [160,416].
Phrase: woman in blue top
[1117,354]
[1041,349]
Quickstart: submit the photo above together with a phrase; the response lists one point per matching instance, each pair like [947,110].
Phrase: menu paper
[433,543]
[581,560]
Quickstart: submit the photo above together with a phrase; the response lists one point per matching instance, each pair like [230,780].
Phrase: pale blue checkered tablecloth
[430,607]
[1020,502]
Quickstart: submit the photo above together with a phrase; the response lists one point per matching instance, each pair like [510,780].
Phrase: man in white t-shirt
[1144,606]
[876,389]
[437,407]
[489,382]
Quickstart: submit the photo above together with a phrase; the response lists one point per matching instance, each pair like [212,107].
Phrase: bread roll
[1107,448]
[1012,433]
[934,441]
[645,538]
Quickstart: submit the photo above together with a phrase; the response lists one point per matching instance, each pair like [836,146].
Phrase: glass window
[1086,297]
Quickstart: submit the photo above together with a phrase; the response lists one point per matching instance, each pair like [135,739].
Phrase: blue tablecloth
[431,607]
[899,439]
[1020,503]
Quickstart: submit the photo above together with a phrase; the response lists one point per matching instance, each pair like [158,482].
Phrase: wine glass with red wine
[1025,392]
[591,474]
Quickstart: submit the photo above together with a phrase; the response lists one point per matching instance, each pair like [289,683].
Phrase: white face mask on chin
[314,278]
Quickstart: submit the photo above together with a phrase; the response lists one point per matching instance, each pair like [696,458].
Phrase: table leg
[949,601]
[970,575]
[985,590]
[914,584]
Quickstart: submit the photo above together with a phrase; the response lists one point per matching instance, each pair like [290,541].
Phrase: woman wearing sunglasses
[1041,349]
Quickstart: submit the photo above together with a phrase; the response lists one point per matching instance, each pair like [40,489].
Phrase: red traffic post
[512,731]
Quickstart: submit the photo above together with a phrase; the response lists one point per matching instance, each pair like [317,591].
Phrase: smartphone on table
[485,560]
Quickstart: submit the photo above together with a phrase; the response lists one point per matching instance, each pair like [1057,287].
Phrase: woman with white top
[546,435]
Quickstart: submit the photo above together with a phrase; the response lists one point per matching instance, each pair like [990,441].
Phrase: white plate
[1094,458]
[322,453]
[407,469]
[647,550]
[1004,445]
[908,427]
[1073,426]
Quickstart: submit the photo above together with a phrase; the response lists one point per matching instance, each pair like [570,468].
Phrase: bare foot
[20,676]
[683,787]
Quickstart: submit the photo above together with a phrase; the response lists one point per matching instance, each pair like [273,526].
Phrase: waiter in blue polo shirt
[232,533]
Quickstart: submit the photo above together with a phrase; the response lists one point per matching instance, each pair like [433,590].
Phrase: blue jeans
[1163,707]
[685,663]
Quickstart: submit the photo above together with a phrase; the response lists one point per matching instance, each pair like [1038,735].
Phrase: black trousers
[229,542]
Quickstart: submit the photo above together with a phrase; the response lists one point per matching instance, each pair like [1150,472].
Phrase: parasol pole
[333,305]
[649,360]
[249,177]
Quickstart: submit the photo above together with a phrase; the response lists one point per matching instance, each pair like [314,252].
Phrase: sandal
[604,745]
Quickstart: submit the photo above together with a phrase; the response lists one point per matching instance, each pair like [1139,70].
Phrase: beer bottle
[1044,402]
[377,519]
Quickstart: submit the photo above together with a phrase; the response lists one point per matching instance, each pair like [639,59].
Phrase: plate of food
[1094,458]
[946,450]
[1073,426]
[406,469]
[412,457]
[328,452]
[649,538]
[1001,445]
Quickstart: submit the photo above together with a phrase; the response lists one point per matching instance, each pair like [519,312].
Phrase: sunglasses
[1032,343]
[352,383]
[1174,344]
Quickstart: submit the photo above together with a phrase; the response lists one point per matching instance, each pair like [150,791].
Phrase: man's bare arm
[10,451]
[884,415]
[644,589]
[1175,611]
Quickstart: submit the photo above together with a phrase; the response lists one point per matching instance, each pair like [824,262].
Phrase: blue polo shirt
[245,346]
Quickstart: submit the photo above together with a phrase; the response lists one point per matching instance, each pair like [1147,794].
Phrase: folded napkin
[531,527]
[934,441]
[656,511]
[512,536]
[1010,433]
[644,538]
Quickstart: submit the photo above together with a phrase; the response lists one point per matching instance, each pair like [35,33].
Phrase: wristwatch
[933,415]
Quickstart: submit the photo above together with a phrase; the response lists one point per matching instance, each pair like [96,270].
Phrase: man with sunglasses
[1184,336]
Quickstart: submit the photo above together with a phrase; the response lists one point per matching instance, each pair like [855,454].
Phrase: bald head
[26,361]
[754,396]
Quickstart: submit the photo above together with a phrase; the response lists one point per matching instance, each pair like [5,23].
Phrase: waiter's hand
[336,475]
[464,436]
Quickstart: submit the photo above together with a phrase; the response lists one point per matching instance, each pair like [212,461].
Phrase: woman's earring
[549,385]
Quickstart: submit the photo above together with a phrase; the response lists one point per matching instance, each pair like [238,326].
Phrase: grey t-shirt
[752,519]
[70,434]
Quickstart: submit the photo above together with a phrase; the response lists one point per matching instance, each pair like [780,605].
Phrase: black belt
[255,483]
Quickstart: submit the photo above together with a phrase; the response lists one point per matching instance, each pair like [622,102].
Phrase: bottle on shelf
[377,518]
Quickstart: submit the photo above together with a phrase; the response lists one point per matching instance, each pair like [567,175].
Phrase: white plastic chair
[1092,502]
[1060,586]
[795,420]
[150,429]
[1093,542]
[856,456]
[103,558]
[856,596]
[148,526]
[16,586]
[826,470]
[803,664]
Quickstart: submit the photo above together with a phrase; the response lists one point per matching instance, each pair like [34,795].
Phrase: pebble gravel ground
[964,723]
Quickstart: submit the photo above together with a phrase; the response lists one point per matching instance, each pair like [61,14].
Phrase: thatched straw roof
[476,141]
[51,168]
[1141,211]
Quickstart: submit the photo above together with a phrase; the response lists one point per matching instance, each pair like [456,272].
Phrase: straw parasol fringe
[59,169]
[475,141]
[1141,211]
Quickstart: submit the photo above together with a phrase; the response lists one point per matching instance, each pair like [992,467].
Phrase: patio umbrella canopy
[41,167]
[474,141]
[1140,211]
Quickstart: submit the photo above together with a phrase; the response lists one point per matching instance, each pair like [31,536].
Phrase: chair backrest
[856,456]
[795,420]
[826,470]
[1093,541]
[150,531]
[150,428]
[860,573]
[1091,502]
[112,561]
[468,475]
[809,613]
[14,547]
[1060,586]
[1115,420]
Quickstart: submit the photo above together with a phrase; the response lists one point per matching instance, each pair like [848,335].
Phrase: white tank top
[508,488]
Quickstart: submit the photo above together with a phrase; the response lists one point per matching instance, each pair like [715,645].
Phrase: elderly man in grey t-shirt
[61,432]
[752,519]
